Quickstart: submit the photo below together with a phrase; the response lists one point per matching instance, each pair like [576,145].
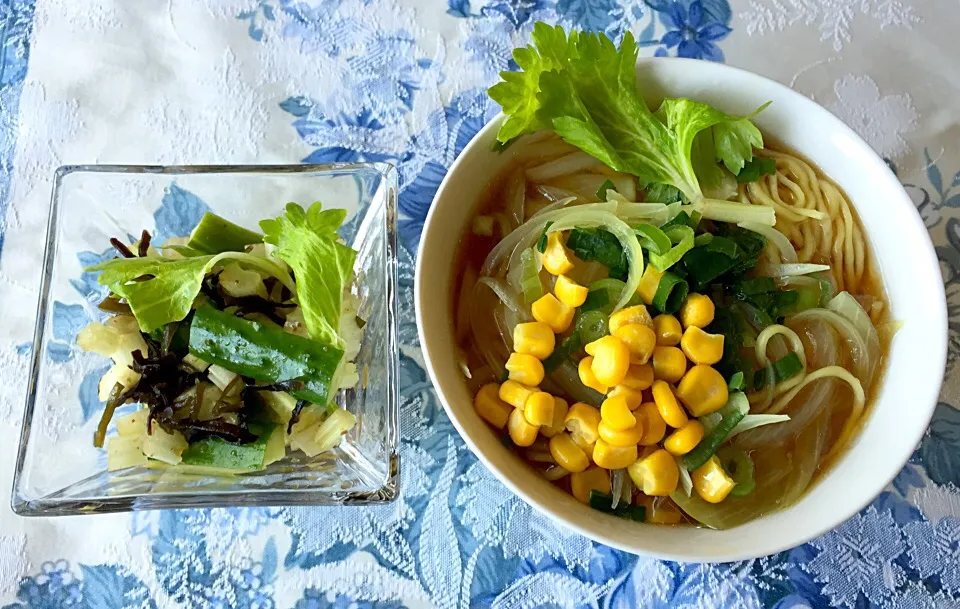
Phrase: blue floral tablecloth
[229,81]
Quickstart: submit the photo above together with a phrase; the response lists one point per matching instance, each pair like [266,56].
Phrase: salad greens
[162,290]
[309,243]
[585,89]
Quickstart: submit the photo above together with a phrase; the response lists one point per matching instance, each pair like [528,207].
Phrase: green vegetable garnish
[308,242]
[600,246]
[736,408]
[214,235]
[602,502]
[736,382]
[590,326]
[265,354]
[565,351]
[217,452]
[663,193]
[169,294]
[756,169]
[602,191]
[585,89]
[683,237]
[542,241]
[530,283]
[652,238]
[671,292]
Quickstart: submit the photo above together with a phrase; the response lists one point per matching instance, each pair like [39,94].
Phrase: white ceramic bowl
[908,265]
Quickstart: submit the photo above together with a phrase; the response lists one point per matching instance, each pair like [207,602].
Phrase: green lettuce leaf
[518,91]
[586,90]
[736,139]
[162,290]
[308,242]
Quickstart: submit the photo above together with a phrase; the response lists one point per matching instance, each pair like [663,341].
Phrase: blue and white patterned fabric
[240,81]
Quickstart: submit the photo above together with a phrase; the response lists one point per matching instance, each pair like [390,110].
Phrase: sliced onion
[787,253]
[752,421]
[528,233]
[616,487]
[574,162]
[793,270]
[579,217]
[847,306]
[558,204]
[553,193]
[507,296]
[864,361]
[516,198]
[685,480]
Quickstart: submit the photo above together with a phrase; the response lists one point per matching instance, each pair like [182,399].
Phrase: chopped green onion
[542,241]
[530,283]
[601,246]
[602,191]
[564,352]
[737,407]
[504,376]
[755,169]
[652,238]
[596,300]
[736,382]
[671,292]
[809,298]
[683,237]
[738,466]
[591,326]
[723,245]
[702,239]
[602,502]
[787,366]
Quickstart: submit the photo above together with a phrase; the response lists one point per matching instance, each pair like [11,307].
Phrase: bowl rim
[930,395]
[390,489]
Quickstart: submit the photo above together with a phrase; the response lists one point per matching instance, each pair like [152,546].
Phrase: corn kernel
[639,339]
[697,310]
[593,479]
[538,409]
[552,312]
[582,421]
[636,314]
[633,397]
[608,456]
[570,292]
[621,437]
[521,432]
[684,439]
[515,393]
[490,407]
[611,360]
[585,370]
[656,475]
[525,368]
[586,447]
[649,283]
[556,258]
[567,454]
[711,482]
[703,390]
[669,364]
[639,376]
[668,330]
[670,410]
[615,412]
[654,427]
[560,408]
[701,347]
[534,338]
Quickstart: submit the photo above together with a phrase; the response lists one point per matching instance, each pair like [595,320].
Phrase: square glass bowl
[58,469]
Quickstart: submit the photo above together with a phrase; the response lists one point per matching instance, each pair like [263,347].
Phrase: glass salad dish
[59,469]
